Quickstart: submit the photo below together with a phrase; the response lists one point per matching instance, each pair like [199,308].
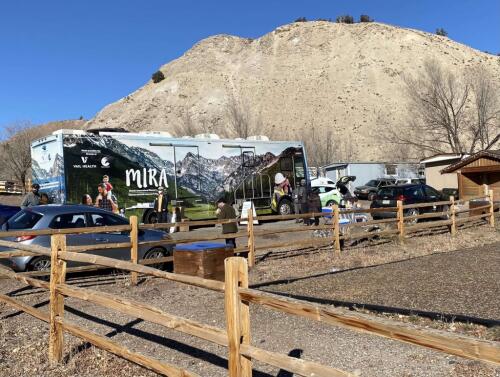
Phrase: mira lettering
[144,178]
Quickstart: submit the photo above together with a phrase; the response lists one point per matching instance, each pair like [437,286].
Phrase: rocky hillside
[338,78]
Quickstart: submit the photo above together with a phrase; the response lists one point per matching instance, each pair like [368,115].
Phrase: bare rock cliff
[338,78]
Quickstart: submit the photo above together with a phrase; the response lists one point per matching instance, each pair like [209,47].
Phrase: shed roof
[443,157]
[494,154]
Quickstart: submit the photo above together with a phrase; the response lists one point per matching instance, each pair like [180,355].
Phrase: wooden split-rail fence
[236,336]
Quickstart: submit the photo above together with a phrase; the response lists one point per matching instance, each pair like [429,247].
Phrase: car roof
[408,185]
[55,209]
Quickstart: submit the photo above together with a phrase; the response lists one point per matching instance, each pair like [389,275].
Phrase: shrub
[345,19]
[157,77]
[301,19]
[365,18]
[441,32]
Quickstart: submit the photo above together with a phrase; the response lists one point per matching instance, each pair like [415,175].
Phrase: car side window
[414,192]
[68,220]
[429,191]
[328,189]
[102,219]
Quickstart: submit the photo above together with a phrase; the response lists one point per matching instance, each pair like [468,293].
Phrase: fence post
[492,208]
[251,238]
[134,234]
[401,221]
[237,316]
[57,276]
[453,228]
[336,229]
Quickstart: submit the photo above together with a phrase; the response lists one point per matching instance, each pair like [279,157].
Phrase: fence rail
[236,337]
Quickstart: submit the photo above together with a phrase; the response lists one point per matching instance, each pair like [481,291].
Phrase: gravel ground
[465,282]
[23,351]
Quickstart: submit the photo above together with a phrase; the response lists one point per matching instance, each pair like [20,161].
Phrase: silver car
[56,216]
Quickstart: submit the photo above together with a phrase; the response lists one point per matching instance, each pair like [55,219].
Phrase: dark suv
[370,188]
[409,194]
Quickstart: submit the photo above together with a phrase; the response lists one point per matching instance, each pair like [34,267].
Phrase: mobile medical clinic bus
[196,171]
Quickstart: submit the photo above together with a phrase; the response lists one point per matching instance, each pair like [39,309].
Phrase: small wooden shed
[476,171]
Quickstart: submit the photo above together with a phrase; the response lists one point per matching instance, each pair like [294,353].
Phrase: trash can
[203,259]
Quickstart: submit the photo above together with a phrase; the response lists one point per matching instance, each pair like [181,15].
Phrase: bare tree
[319,146]
[448,113]
[16,150]
[486,125]
[238,113]
[187,126]
[437,110]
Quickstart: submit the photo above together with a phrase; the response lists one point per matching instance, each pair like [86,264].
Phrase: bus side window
[286,164]
[248,159]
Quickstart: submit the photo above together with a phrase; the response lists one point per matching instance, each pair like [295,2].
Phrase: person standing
[302,197]
[280,185]
[227,212]
[32,198]
[161,206]
[314,203]
[103,201]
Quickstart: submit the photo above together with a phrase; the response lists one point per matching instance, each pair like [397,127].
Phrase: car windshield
[389,192]
[26,219]
[372,183]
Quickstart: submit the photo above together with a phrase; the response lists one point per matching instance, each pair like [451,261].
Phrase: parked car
[322,181]
[370,188]
[6,212]
[328,195]
[447,192]
[331,193]
[407,181]
[57,216]
[409,194]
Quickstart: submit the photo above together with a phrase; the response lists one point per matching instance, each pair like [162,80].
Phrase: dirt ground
[434,272]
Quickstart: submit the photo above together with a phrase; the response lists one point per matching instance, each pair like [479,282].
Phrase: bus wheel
[285,207]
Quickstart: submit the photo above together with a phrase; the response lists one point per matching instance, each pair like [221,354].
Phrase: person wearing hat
[32,198]
[161,206]
[281,188]
[225,212]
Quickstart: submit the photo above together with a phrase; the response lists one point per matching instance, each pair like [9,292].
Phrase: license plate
[385,201]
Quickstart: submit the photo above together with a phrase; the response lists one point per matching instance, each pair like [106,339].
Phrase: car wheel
[155,253]
[412,212]
[150,217]
[285,207]
[331,203]
[39,264]
[371,196]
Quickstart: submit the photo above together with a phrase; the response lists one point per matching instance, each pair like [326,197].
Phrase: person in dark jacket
[300,199]
[314,202]
[161,206]
[32,198]
[226,212]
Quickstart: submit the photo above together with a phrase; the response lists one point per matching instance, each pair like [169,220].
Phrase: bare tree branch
[448,113]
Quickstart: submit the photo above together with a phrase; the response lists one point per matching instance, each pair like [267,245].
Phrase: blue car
[6,212]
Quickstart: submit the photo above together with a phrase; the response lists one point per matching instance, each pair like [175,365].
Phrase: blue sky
[66,59]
